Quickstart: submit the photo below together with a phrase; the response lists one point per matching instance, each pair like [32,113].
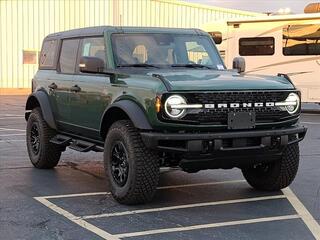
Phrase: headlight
[291,104]
[174,106]
[293,101]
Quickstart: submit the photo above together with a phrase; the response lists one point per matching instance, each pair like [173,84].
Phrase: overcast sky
[296,6]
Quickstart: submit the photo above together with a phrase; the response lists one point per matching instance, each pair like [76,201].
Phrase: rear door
[61,82]
[88,103]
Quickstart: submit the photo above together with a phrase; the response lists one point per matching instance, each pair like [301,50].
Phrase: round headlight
[292,103]
[174,106]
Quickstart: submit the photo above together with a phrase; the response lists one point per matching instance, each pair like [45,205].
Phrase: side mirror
[216,36]
[91,65]
[239,64]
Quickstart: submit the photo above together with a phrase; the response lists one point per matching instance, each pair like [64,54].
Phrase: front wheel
[276,175]
[132,170]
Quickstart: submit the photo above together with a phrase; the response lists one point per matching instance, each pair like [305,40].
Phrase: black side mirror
[216,36]
[239,64]
[91,65]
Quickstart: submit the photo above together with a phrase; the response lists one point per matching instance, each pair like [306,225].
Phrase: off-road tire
[48,154]
[276,175]
[143,174]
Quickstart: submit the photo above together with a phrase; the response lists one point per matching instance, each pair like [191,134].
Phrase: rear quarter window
[48,54]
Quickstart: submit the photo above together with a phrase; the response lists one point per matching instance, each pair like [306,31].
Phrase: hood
[206,80]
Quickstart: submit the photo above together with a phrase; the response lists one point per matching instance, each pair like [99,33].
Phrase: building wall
[24,23]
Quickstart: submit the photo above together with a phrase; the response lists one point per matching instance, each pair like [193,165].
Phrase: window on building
[301,40]
[94,47]
[68,55]
[29,57]
[256,46]
[48,53]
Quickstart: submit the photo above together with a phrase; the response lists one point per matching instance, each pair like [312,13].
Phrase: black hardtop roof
[96,31]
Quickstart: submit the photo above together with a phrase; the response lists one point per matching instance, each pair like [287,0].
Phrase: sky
[296,6]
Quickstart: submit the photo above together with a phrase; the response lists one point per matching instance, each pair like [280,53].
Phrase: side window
[301,40]
[197,53]
[94,47]
[48,53]
[257,46]
[68,55]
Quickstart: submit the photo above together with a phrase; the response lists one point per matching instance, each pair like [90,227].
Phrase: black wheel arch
[122,110]
[41,99]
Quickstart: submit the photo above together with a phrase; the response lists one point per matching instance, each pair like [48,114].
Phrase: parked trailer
[288,44]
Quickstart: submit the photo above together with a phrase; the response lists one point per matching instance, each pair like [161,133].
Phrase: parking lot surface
[73,201]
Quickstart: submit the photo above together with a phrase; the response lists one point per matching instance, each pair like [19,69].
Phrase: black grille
[220,116]
[236,97]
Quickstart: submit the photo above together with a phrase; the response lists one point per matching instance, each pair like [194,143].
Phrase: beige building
[24,23]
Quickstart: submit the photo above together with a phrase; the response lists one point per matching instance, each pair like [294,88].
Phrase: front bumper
[224,141]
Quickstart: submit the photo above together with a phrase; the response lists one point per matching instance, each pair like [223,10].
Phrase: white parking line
[210,225]
[12,129]
[312,123]
[80,222]
[76,195]
[14,134]
[162,187]
[10,141]
[5,118]
[304,214]
[11,115]
[243,200]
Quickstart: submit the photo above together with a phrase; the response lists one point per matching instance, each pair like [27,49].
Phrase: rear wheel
[276,175]
[132,170]
[42,153]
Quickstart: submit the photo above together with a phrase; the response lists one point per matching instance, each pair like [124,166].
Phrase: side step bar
[75,144]
[61,140]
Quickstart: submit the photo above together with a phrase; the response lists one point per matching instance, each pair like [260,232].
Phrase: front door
[90,96]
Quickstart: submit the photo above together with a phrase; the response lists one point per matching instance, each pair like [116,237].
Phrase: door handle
[53,86]
[75,88]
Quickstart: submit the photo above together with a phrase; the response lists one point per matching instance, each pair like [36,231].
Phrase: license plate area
[241,120]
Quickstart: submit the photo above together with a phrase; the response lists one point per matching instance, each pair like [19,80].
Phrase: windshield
[165,50]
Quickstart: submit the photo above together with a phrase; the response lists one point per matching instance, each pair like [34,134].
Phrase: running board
[75,144]
[82,146]
[61,140]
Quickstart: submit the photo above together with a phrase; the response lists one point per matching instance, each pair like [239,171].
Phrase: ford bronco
[158,97]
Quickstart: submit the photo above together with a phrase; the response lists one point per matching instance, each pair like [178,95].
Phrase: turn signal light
[158,104]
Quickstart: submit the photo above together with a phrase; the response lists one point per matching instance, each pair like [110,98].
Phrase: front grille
[236,97]
[220,116]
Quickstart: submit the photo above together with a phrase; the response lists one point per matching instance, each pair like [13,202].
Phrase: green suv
[160,97]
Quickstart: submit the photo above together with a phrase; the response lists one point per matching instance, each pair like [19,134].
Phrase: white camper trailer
[288,44]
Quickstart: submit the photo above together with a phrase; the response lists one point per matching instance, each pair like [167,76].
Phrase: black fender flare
[43,99]
[132,110]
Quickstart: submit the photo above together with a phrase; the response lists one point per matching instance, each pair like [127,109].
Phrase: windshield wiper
[137,65]
[191,65]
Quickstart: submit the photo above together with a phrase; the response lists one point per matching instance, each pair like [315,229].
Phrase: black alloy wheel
[35,138]
[119,163]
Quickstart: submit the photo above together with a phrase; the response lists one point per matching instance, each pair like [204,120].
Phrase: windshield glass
[165,50]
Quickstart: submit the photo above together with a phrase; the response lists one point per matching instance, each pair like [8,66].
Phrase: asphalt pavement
[72,201]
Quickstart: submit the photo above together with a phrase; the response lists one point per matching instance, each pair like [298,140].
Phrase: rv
[286,44]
